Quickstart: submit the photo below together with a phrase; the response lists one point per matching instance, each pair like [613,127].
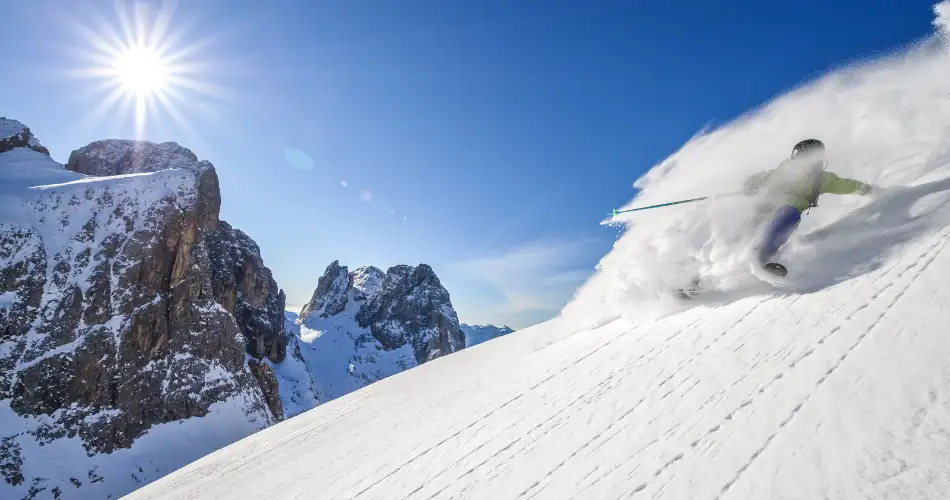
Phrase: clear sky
[486,138]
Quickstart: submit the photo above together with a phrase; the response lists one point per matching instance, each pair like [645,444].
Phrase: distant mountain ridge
[476,334]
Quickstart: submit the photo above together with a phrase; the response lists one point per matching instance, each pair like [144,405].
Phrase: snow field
[834,383]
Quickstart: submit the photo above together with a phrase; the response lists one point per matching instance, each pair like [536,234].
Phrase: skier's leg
[783,224]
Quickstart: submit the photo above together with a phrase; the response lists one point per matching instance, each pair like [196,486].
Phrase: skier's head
[811,150]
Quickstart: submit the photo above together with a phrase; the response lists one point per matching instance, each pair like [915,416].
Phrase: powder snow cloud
[942,22]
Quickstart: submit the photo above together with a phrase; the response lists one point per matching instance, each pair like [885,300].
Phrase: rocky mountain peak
[366,282]
[412,307]
[14,134]
[331,294]
[363,326]
[122,157]
[405,306]
[125,306]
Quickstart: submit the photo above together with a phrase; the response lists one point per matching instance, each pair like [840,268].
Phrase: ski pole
[615,211]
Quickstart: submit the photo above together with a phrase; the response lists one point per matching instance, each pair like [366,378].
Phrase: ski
[776,269]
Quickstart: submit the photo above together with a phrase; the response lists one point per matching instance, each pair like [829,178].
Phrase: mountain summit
[134,324]
[362,326]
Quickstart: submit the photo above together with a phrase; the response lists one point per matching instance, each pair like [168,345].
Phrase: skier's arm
[833,184]
[753,184]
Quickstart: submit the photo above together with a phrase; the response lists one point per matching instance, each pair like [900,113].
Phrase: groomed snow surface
[833,384]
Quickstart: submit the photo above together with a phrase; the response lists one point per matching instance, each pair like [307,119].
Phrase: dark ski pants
[784,222]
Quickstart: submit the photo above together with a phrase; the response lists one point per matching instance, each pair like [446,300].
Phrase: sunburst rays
[143,67]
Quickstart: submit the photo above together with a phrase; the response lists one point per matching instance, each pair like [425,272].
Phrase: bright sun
[141,72]
[144,67]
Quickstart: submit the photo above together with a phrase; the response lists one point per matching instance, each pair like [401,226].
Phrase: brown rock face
[246,289]
[120,157]
[412,307]
[128,304]
[240,281]
[126,323]
[330,296]
[268,381]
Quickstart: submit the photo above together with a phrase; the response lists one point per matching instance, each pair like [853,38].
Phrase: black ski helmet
[809,147]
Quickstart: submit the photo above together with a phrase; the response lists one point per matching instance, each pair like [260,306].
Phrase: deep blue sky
[485,138]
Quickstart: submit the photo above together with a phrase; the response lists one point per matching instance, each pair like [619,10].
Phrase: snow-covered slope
[476,334]
[295,383]
[834,385]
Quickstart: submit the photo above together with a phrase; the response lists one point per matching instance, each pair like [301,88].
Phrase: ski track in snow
[502,438]
[623,411]
[834,384]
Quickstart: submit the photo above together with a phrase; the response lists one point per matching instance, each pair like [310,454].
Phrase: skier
[789,190]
